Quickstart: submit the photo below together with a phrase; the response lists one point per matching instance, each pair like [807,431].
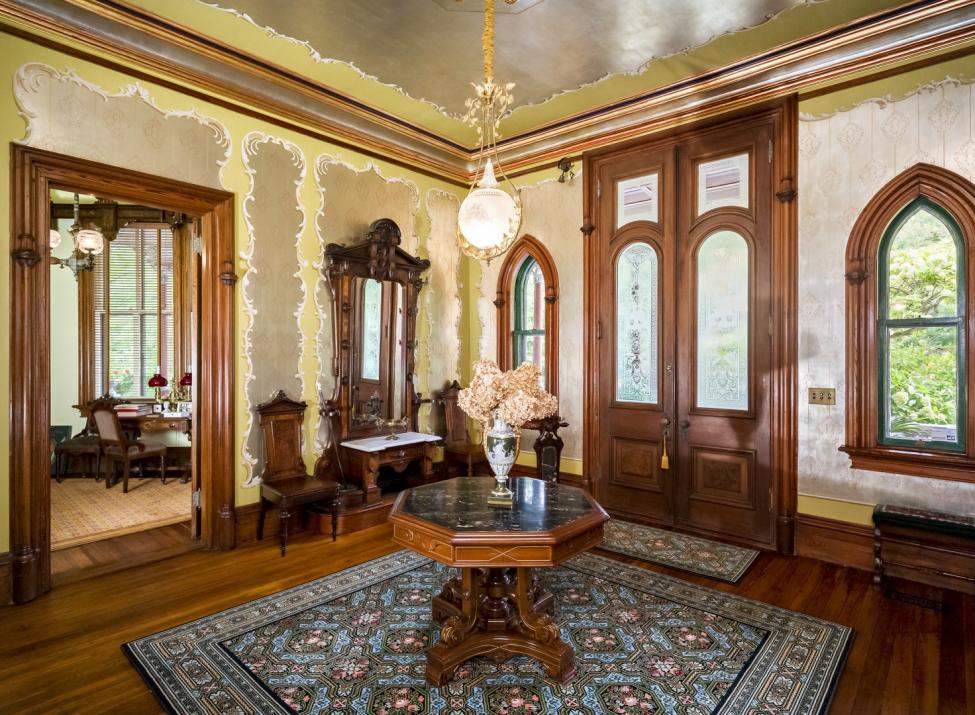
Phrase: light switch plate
[822,395]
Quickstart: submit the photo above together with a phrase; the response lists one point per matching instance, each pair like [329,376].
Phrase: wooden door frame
[783,378]
[33,173]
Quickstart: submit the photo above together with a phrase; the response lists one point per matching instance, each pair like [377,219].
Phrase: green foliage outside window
[920,328]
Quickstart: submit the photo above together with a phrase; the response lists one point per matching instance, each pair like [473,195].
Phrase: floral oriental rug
[681,551]
[354,642]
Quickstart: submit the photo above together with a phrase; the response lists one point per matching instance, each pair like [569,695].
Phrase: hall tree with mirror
[123,322]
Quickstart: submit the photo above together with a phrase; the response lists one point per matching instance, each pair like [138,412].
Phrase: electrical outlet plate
[822,395]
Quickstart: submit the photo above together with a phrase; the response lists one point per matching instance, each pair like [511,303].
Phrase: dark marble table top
[461,505]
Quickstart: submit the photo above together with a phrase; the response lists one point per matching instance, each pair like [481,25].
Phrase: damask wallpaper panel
[273,292]
[68,115]
[440,298]
[552,214]
[844,159]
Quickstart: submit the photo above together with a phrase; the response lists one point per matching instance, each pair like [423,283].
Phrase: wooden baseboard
[6,587]
[838,542]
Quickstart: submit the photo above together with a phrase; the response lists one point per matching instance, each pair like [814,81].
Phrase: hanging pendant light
[88,243]
[87,240]
[489,217]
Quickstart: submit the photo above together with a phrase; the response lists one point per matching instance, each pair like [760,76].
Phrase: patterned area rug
[83,510]
[354,642]
[680,551]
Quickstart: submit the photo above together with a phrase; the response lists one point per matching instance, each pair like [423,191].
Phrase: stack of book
[134,409]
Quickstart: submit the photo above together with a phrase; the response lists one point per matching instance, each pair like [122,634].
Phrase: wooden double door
[681,267]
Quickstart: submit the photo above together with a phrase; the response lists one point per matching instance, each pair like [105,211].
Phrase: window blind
[132,285]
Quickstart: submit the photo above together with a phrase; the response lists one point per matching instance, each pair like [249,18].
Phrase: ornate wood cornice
[189,62]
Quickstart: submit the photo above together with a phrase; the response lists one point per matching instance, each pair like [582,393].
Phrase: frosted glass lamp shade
[487,216]
[89,241]
[54,239]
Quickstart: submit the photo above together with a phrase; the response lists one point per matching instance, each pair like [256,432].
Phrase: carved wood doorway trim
[783,376]
[34,173]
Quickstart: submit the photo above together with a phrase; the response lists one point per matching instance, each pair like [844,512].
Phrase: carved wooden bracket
[227,276]
[788,192]
[26,253]
[856,277]
[587,229]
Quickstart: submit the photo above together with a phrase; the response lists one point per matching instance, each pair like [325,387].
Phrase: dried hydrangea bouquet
[504,402]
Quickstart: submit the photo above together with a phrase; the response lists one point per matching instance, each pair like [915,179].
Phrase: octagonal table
[496,607]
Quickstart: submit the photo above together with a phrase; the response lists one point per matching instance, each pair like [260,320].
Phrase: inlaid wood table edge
[501,611]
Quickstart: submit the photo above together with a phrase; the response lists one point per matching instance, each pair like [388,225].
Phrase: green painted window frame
[519,331]
[884,323]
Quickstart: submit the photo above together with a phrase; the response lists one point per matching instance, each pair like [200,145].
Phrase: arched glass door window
[921,330]
[529,324]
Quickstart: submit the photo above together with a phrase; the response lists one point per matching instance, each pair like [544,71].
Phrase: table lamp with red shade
[158,382]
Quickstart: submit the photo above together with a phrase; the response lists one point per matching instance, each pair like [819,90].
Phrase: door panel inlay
[723,476]
[722,322]
[635,463]
[636,324]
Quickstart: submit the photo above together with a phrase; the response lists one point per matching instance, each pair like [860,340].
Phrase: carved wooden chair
[548,447]
[285,481]
[118,449]
[459,447]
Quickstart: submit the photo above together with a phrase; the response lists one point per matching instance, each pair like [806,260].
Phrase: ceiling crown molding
[193,63]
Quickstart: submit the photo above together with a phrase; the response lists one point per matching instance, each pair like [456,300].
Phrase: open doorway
[35,173]
[123,305]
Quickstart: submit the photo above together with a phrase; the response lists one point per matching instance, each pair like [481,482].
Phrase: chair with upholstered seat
[459,447]
[285,481]
[118,449]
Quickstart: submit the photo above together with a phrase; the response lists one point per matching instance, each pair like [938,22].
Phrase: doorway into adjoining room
[154,367]
[123,334]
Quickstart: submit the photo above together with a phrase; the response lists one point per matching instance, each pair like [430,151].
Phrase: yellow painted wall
[17,52]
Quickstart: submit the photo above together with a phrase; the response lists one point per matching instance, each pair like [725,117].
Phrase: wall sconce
[565,166]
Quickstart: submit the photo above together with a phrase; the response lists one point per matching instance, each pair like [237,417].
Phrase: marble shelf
[382,442]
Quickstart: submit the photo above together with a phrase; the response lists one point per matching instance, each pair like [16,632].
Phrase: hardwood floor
[60,654]
[120,552]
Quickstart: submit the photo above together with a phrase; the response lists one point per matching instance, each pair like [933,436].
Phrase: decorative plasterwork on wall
[183,45]
[351,199]
[441,297]
[69,115]
[273,292]
[844,159]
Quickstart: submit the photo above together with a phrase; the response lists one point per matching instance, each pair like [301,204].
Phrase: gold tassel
[664,459]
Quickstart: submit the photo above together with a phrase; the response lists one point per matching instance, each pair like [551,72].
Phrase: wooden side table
[367,455]
[496,607]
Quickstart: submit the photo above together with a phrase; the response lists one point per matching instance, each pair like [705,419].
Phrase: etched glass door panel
[722,182]
[636,200]
[636,324]
[722,322]
[372,295]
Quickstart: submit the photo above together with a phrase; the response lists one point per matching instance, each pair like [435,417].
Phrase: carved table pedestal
[496,607]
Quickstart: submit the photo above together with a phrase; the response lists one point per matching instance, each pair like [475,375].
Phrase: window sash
[148,313]
[884,324]
[520,285]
